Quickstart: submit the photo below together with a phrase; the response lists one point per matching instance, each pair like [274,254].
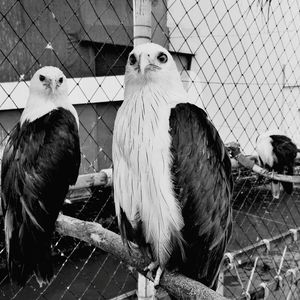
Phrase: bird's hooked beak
[51,84]
[146,63]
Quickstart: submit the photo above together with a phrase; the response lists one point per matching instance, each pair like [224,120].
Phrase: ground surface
[84,272]
[258,216]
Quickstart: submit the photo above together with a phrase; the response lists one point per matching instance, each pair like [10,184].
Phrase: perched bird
[172,174]
[277,153]
[40,161]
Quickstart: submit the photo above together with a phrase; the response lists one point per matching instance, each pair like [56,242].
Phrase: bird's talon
[151,267]
[157,277]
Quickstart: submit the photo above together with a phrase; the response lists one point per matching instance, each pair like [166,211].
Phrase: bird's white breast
[142,175]
[37,107]
[264,149]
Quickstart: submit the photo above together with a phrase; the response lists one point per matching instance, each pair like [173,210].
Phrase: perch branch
[94,234]
[102,178]
[243,160]
[248,163]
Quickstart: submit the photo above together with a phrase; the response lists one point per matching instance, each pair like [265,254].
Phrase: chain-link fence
[239,60]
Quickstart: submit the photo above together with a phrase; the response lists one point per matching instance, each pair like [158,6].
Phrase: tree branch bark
[94,234]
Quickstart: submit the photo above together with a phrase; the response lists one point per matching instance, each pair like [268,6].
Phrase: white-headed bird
[40,161]
[172,174]
[277,153]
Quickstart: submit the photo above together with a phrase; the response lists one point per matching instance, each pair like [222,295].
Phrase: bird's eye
[162,58]
[60,80]
[42,77]
[132,59]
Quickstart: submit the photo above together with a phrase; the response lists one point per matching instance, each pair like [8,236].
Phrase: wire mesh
[238,60]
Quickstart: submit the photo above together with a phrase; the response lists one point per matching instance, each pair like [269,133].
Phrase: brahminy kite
[40,161]
[172,174]
[277,153]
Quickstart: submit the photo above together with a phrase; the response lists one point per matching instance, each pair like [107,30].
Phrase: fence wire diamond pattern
[239,60]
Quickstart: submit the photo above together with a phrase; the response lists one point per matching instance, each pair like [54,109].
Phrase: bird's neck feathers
[170,91]
[39,105]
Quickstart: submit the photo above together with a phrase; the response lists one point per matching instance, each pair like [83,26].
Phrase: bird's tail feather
[288,186]
[28,249]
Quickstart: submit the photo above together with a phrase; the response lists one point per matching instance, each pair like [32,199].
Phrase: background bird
[40,161]
[172,174]
[277,153]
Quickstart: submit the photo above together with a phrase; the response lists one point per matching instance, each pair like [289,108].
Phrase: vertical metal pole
[145,288]
[220,288]
[142,32]
[142,29]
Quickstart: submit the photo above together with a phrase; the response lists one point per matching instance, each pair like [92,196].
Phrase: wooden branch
[102,178]
[248,163]
[94,234]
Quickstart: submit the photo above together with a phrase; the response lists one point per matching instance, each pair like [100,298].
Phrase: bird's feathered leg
[275,187]
[158,274]
[151,268]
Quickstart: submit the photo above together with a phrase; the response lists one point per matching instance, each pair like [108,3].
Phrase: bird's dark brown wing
[285,151]
[202,180]
[40,161]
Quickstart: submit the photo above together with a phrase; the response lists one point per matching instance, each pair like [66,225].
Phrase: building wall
[86,39]
[244,66]
[70,34]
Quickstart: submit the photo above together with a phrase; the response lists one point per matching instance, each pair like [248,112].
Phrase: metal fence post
[142,34]
[142,30]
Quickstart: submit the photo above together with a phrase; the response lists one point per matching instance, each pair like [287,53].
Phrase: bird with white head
[172,174]
[40,161]
[48,90]
[277,152]
[154,65]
